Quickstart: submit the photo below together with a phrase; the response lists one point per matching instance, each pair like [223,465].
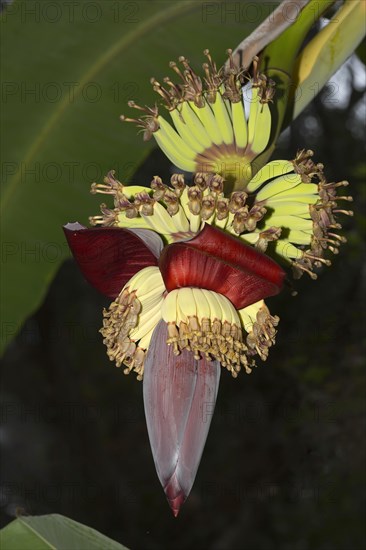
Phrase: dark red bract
[215,260]
[108,256]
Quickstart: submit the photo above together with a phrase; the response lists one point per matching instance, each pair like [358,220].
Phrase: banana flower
[189,265]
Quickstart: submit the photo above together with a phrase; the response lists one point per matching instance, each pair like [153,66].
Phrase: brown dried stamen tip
[158,187]
[232,65]
[317,260]
[265,237]
[222,208]
[263,333]
[201,180]
[255,214]
[216,184]
[208,206]
[232,86]
[109,217]
[118,321]
[255,71]
[144,203]
[303,155]
[150,111]
[177,181]
[214,340]
[176,69]
[303,266]
[115,188]
[237,201]
[172,202]
[267,91]
[240,219]
[212,77]
[323,214]
[148,123]
[306,167]
[111,185]
[170,99]
[206,53]
[195,200]
[96,220]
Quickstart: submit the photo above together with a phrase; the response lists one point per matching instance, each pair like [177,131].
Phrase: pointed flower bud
[179,398]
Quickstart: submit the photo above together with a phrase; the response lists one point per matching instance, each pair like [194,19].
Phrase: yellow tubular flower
[210,131]
[289,204]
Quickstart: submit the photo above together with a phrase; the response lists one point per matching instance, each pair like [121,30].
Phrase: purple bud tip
[175,494]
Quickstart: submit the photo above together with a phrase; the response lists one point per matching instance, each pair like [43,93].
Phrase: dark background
[284,463]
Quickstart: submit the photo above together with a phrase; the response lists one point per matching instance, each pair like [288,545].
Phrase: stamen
[237,201]
[232,65]
[212,78]
[222,208]
[263,333]
[193,89]
[118,321]
[148,123]
[151,111]
[341,238]
[298,266]
[200,180]
[345,212]
[177,181]
[256,213]
[318,259]
[158,187]
[145,203]
[172,202]
[195,200]
[176,69]
[216,184]
[208,206]
[129,208]
[240,219]
[271,234]
[169,99]
[215,342]
[96,220]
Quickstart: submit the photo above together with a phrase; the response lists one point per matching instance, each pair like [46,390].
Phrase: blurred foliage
[284,464]
[53,531]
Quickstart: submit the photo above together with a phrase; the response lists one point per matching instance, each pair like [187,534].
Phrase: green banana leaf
[300,77]
[327,51]
[53,532]
[68,71]
[279,59]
